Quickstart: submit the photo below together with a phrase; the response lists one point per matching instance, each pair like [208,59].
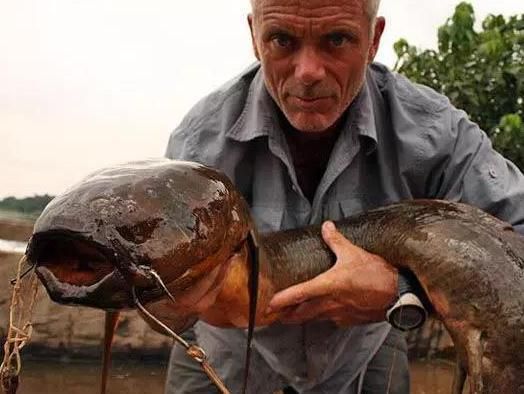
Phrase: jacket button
[492,172]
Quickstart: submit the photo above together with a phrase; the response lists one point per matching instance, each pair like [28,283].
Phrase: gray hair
[372,7]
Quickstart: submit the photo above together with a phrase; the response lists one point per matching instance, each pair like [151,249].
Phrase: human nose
[309,67]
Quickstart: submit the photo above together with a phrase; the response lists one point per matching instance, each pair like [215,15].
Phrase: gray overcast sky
[89,83]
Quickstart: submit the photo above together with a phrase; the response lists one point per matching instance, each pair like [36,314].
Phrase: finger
[336,241]
[316,287]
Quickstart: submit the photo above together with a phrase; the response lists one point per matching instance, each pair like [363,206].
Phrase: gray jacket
[400,141]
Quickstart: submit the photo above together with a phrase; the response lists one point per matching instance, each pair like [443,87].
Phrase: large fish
[104,241]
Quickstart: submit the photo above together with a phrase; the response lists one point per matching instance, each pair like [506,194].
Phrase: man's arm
[474,173]
[179,146]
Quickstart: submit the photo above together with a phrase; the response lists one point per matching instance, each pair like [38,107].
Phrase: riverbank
[15,227]
[427,377]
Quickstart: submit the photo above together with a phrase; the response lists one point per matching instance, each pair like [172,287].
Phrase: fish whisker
[170,332]
[161,283]
[194,351]
[27,271]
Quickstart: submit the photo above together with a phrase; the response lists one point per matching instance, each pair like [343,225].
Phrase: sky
[91,83]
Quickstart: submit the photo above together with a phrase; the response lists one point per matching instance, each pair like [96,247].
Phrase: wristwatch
[407,312]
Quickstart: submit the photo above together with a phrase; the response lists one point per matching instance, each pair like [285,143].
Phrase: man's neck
[310,152]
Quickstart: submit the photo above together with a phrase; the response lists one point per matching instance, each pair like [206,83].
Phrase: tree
[28,205]
[481,72]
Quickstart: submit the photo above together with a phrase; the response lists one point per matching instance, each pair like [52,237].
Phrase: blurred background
[86,84]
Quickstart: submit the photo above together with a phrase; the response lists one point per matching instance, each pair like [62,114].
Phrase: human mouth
[309,102]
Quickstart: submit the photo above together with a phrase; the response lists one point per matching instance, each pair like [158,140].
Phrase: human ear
[380,24]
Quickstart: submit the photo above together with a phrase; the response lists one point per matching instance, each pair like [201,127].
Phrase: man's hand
[356,290]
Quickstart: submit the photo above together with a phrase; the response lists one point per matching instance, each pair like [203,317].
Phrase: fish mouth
[75,270]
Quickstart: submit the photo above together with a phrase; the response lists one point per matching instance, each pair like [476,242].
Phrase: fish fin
[253,298]
[459,378]
[111,323]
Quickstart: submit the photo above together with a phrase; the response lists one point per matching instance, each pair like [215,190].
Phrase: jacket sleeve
[180,145]
[476,174]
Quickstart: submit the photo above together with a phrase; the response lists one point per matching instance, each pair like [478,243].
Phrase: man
[316,131]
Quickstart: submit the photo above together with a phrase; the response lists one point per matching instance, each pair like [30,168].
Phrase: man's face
[314,55]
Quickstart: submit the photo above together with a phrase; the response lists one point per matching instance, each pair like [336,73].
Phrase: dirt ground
[15,229]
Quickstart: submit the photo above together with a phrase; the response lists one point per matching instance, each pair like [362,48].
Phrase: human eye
[282,40]
[339,39]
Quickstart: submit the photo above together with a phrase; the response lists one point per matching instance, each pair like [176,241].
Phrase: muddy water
[433,377]
[64,378]
[8,246]
[52,378]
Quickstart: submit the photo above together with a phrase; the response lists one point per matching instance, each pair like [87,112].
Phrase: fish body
[188,223]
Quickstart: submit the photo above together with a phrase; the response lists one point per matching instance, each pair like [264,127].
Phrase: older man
[316,131]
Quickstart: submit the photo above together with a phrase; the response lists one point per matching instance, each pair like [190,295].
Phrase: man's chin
[311,122]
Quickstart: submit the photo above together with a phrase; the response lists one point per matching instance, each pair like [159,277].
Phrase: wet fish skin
[96,240]
[469,263]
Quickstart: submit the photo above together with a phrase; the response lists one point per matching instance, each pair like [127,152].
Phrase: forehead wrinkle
[311,8]
[302,24]
[302,12]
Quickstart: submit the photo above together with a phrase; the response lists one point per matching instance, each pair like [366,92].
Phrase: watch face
[407,317]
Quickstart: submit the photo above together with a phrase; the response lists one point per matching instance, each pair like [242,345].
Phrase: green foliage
[481,72]
[509,137]
[29,205]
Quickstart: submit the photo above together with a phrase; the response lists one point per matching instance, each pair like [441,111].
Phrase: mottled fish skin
[184,220]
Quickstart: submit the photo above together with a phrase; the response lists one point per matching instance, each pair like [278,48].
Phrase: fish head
[104,237]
